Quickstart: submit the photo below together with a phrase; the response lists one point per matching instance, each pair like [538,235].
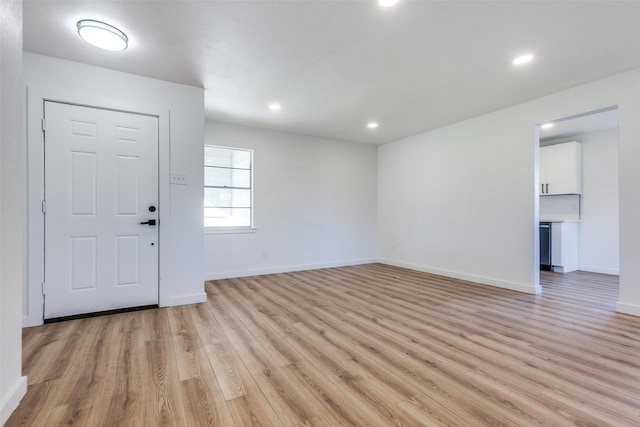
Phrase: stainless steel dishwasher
[545,246]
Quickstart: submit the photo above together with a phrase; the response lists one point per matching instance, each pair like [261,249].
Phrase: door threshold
[99,313]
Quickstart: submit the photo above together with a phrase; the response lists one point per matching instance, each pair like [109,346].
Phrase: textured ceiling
[335,65]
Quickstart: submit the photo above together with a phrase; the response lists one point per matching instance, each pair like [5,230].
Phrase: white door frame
[33,301]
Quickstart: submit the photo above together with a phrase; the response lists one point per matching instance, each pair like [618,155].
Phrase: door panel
[101,175]
[83,257]
[127,175]
[82,173]
[128,272]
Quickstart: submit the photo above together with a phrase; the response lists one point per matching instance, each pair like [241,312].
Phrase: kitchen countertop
[559,220]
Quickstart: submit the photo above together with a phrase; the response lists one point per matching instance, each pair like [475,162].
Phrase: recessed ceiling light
[387,3]
[372,125]
[523,59]
[546,126]
[275,107]
[102,35]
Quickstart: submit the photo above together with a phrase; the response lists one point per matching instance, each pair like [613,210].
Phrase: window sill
[230,230]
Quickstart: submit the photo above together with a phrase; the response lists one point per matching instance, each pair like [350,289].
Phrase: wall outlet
[179,178]
[265,254]
[393,249]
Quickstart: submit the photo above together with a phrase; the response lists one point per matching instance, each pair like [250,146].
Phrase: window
[228,192]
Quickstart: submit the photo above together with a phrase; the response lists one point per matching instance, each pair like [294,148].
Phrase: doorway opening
[578,198]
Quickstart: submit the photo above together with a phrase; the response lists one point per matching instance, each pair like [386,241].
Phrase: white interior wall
[454,201]
[13,183]
[462,200]
[599,229]
[314,204]
[181,116]
[564,207]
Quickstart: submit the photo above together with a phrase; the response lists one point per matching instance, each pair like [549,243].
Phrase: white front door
[101,183]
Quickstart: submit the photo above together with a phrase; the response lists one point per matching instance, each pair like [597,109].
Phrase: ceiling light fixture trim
[372,125]
[275,107]
[102,35]
[387,3]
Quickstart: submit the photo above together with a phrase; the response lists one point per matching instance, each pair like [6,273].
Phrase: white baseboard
[187,299]
[632,309]
[467,277]
[288,269]
[598,269]
[28,321]
[285,269]
[14,396]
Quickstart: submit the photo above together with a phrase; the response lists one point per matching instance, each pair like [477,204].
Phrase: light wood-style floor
[369,345]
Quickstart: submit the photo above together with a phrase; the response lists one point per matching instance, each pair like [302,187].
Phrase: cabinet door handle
[547,188]
[542,188]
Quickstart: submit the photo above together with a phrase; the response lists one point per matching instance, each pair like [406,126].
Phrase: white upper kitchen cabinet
[561,169]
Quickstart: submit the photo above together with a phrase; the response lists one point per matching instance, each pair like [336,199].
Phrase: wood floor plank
[234,380]
[202,405]
[156,324]
[367,345]
[124,402]
[341,408]
[168,405]
[81,386]
[191,357]
[253,410]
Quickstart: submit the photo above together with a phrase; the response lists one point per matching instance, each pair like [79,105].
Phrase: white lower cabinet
[564,246]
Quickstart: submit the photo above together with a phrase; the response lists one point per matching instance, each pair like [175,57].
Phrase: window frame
[231,229]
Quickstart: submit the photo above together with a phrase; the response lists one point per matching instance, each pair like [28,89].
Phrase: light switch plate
[179,178]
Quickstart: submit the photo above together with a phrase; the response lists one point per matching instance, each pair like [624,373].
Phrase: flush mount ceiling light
[523,59]
[387,3]
[372,125]
[546,125]
[102,35]
[275,107]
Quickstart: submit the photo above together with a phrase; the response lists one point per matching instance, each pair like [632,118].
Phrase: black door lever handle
[150,222]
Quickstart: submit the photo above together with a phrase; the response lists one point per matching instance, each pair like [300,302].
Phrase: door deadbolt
[152,208]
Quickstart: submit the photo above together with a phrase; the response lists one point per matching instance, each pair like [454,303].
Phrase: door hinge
[44,291]
[44,207]
[44,127]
